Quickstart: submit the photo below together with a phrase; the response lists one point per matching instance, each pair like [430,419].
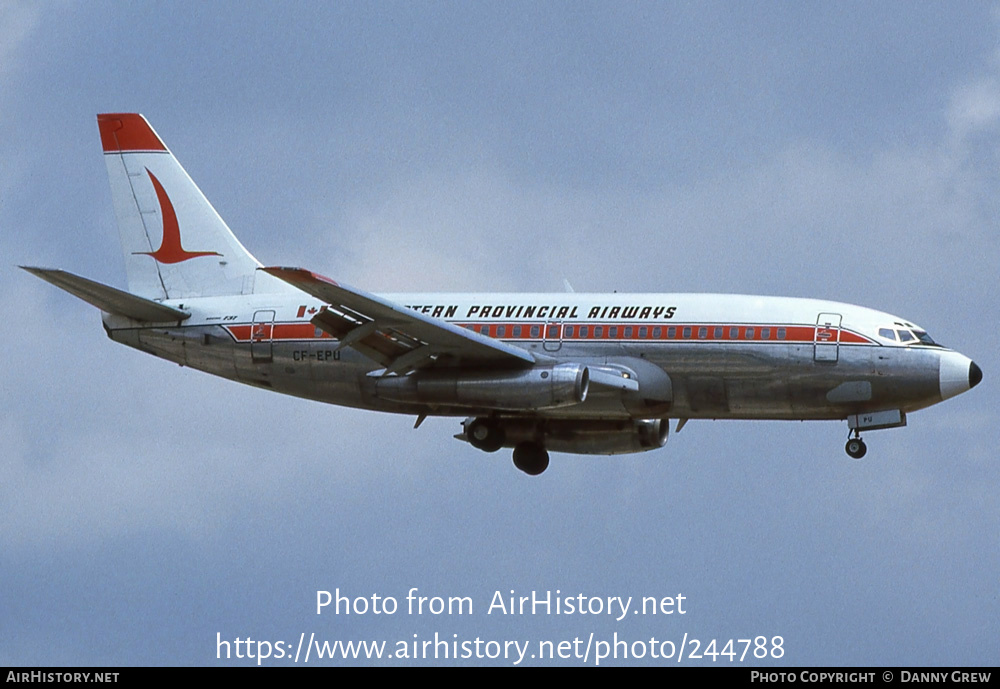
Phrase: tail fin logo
[170,250]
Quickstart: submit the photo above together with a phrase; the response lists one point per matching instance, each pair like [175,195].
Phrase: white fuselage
[724,356]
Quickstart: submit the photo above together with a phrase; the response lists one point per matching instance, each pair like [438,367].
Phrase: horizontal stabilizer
[108,298]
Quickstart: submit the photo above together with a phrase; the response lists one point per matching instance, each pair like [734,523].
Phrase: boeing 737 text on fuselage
[576,373]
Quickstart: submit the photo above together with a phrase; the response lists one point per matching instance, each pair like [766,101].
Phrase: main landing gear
[489,436]
[485,435]
[856,447]
[531,458]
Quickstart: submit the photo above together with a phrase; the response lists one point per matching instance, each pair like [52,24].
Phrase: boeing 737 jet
[565,372]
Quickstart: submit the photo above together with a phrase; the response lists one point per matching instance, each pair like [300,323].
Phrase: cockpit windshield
[906,335]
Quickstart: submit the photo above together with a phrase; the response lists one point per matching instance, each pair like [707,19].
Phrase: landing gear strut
[531,458]
[856,447]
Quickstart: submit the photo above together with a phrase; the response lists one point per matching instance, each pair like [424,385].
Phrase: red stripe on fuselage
[794,334]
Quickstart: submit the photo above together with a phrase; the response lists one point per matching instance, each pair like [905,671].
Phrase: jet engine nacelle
[586,437]
[541,387]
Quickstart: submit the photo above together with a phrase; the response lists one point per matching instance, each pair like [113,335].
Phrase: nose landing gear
[856,447]
[870,421]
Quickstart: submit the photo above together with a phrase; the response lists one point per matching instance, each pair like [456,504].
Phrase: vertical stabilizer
[175,244]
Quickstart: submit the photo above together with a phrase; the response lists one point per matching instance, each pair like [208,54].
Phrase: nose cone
[975,374]
[957,374]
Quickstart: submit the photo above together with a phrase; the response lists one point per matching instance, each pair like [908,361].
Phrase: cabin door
[261,346]
[827,338]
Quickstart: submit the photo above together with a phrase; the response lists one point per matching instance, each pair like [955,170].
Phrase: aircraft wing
[398,338]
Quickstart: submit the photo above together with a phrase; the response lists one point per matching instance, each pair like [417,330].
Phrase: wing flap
[360,335]
[108,298]
[396,337]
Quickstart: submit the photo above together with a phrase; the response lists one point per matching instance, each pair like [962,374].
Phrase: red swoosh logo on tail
[170,250]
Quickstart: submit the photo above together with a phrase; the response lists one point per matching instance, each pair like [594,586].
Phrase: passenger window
[671,333]
[718,332]
[657,332]
[749,334]
[517,331]
[613,332]
[642,332]
[598,331]
[702,333]
[628,332]
[686,333]
[569,331]
[501,330]
[583,331]
[765,333]
[734,333]
[535,331]
[781,333]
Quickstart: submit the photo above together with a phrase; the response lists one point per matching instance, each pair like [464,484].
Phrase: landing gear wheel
[484,435]
[856,448]
[531,458]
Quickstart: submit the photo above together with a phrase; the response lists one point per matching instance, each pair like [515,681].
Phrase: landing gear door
[261,347]
[827,338]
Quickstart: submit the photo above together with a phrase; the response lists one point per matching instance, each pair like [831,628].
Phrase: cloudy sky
[843,150]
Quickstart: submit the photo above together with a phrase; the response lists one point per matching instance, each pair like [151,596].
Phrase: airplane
[563,372]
